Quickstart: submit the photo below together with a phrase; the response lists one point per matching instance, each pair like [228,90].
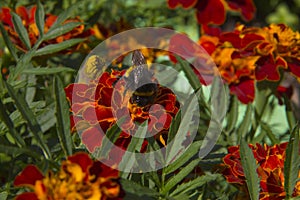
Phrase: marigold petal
[82,159]
[28,176]
[245,90]
[27,196]
[210,11]
[92,138]
[245,7]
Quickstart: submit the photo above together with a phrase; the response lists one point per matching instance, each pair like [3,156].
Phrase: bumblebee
[140,81]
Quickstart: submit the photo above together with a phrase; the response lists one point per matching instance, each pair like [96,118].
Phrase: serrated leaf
[28,115]
[187,187]
[21,30]
[187,155]
[47,71]
[173,181]
[63,119]
[10,125]
[54,48]
[61,30]
[40,18]
[249,167]
[292,162]
[8,43]
[135,188]
[245,124]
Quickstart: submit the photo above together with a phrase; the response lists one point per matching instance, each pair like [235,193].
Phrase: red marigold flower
[270,160]
[214,11]
[78,178]
[28,18]
[98,105]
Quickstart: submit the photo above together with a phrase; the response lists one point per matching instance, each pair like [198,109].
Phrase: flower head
[270,160]
[98,105]
[78,178]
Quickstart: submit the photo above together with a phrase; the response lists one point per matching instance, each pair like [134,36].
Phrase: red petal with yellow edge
[210,12]
[22,12]
[92,138]
[77,95]
[245,90]
[28,176]
[245,7]
[27,196]
[184,3]
[210,30]
[81,159]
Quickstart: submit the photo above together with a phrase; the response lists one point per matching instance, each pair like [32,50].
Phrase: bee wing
[138,58]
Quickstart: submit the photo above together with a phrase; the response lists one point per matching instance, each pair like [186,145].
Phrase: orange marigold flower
[78,178]
[28,18]
[98,105]
[270,160]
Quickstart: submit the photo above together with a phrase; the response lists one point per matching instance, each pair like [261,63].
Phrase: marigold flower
[214,11]
[28,18]
[107,98]
[78,178]
[270,160]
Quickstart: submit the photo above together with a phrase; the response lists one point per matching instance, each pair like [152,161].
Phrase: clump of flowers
[27,16]
[246,55]
[270,160]
[78,178]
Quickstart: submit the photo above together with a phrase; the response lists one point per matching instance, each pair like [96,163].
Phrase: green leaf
[249,167]
[3,195]
[23,63]
[10,125]
[190,74]
[128,159]
[187,124]
[28,115]
[245,124]
[61,30]
[63,117]
[53,48]
[40,18]
[13,151]
[173,181]
[186,156]
[269,132]
[233,114]
[47,71]
[21,30]
[135,188]
[187,187]
[292,162]
[8,43]
[174,127]
[64,15]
